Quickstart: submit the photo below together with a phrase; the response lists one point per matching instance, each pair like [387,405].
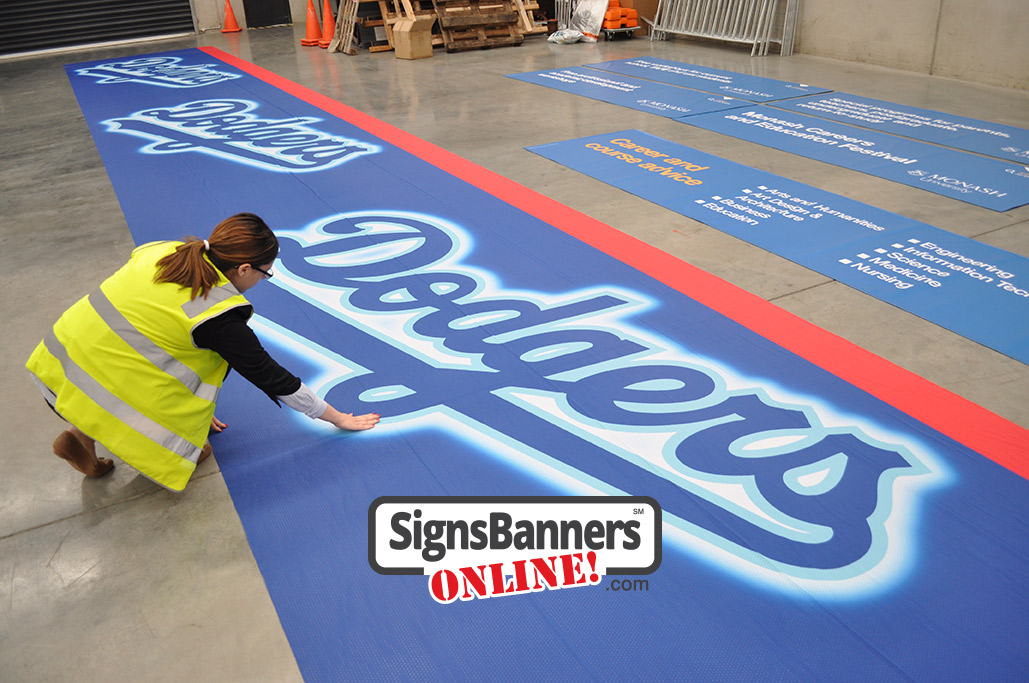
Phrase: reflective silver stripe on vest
[117,407]
[215,296]
[148,349]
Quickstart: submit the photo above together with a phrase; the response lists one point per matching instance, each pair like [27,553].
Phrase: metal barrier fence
[758,22]
[563,10]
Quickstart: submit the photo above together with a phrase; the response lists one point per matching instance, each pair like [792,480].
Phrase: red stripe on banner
[993,436]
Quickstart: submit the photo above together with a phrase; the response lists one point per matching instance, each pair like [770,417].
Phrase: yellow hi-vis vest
[125,371]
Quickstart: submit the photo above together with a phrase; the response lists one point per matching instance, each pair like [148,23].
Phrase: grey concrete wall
[210,13]
[975,40]
[985,41]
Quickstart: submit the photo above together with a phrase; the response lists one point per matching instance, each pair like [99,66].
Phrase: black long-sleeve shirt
[230,337]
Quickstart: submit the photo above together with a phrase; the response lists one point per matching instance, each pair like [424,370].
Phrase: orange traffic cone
[230,20]
[314,34]
[328,25]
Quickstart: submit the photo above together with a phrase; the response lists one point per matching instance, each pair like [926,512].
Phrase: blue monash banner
[670,89]
[958,132]
[730,83]
[969,178]
[663,100]
[969,287]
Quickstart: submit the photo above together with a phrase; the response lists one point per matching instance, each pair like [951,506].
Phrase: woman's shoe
[68,448]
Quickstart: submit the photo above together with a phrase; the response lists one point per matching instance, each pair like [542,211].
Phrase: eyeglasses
[268,274]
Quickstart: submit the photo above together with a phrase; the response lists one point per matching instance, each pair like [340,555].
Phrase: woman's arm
[229,336]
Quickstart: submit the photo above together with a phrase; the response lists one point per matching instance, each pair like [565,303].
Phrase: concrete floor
[117,579]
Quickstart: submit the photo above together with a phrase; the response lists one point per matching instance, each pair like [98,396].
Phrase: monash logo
[167,72]
[957,184]
[772,486]
[662,106]
[744,92]
[226,128]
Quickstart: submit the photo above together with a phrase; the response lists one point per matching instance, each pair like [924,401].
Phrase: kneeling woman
[137,365]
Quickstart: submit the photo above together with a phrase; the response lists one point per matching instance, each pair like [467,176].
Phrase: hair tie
[207,246]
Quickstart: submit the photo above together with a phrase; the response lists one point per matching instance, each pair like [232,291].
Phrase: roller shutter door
[27,25]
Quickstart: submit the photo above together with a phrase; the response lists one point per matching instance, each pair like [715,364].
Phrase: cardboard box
[412,38]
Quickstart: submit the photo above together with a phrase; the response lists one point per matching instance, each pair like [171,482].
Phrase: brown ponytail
[239,239]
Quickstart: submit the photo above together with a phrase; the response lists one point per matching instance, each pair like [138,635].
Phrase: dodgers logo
[777,488]
[227,129]
[167,72]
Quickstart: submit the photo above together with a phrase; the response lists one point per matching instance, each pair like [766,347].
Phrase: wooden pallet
[347,19]
[525,17]
[477,24]
[390,12]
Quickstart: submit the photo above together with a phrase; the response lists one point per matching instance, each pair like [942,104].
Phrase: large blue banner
[976,290]
[729,83]
[984,182]
[663,100]
[984,137]
[811,526]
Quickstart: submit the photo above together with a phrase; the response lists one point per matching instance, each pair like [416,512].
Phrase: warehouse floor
[117,579]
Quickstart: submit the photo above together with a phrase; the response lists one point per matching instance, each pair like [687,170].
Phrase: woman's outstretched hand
[356,422]
[349,421]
